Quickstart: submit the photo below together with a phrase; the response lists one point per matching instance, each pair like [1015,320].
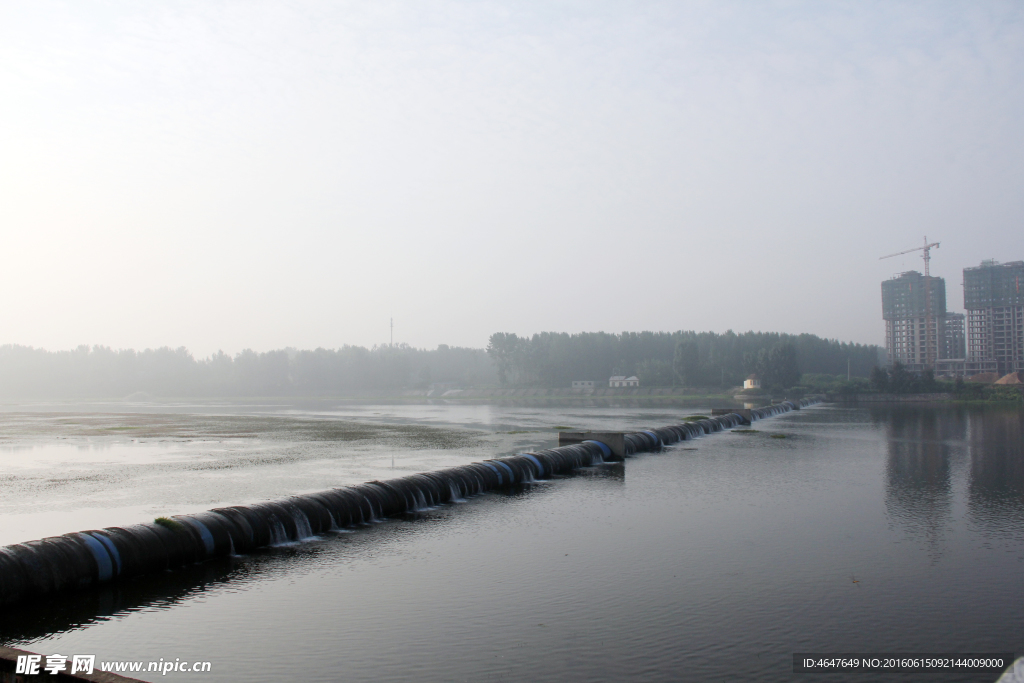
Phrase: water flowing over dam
[86,558]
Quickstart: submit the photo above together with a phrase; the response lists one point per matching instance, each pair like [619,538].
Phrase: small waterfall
[374,518]
[278,534]
[456,494]
[302,528]
[540,467]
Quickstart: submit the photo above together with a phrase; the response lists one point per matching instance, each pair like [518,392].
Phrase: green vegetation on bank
[694,359]
[821,383]
[100,372]
[995,393]
[897,380]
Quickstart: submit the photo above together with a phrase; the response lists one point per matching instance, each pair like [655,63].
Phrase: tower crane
[931,343]
[927,255]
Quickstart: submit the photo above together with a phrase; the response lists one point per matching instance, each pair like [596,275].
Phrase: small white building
[752,382]
[583,384]
[623,381]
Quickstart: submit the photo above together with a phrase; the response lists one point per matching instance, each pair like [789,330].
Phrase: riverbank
[1012,396]
[891,398]
[605,396]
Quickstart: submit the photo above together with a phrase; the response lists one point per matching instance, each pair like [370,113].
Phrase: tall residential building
[914,309]
[955,340]
[995,313]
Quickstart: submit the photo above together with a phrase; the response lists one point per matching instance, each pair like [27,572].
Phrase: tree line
[897,379]
[684,358]
[548,359]
[100,371]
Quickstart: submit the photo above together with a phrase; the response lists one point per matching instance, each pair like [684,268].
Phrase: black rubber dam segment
[87,558]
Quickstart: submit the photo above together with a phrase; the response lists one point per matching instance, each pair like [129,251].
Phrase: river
[831,529]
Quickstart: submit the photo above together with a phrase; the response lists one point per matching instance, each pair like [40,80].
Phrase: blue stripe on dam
[205,534]
[111,548]
[511,474]
[540,467]
[496,472]
[99,552]
[183,540]
[656,437]
[607,452]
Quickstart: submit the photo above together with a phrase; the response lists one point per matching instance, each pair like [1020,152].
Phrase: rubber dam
[87,558]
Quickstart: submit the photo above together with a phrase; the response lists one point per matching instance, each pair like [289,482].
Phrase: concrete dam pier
[86,558]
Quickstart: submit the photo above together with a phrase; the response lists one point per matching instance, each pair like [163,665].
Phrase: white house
[752,382]
[623,381]
[582,384]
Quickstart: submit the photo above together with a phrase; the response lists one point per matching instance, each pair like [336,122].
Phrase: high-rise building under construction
[914,309]
[956,339]
[995,313]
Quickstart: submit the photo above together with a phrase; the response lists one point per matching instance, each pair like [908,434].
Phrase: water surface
[864,529]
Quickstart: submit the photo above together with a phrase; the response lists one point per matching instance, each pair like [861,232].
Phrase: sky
[226,175]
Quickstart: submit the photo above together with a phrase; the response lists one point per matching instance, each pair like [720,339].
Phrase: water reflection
[996,493]
[68,611]
[921,442]
[926,445]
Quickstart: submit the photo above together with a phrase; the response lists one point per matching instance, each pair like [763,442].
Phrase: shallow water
[70,467]
[882,529]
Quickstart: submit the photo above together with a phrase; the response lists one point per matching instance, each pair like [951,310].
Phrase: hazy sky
[224,175]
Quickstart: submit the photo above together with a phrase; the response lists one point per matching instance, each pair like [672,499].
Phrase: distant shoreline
[528,395]
[939,397]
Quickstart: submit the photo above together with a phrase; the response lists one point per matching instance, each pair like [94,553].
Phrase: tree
[928,383]
[778,366]
[686,362]
[502,348]
[785,365]
[879,379]
[901,380]
[654,373]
